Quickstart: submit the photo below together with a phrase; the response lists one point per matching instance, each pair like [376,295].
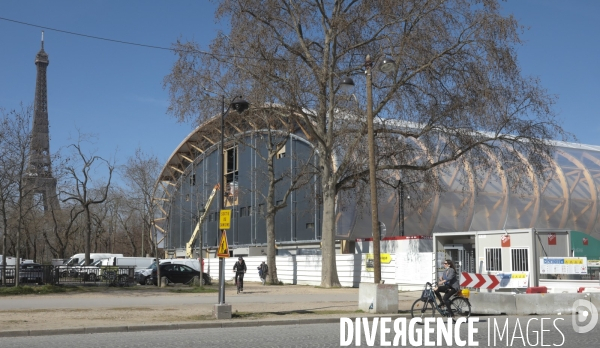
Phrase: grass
[28,290]
[60,289]
[194,290]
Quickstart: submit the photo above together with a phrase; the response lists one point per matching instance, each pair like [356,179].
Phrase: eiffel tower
[38,178]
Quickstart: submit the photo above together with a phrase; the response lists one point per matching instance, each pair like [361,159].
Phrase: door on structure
[463,257]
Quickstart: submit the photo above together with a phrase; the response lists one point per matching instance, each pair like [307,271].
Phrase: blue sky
[115,92]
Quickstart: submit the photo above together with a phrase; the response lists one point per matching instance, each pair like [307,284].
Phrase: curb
[181,326]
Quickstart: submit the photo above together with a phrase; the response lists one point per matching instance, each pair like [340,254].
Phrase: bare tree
[83,192]
[63,229]
[16,144]
[456,92]
[274,129]
[7,187]
[141,174]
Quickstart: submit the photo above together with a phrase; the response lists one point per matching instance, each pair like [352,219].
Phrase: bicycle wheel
[422,309]
[461,307]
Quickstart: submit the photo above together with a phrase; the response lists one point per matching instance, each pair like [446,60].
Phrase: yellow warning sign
[223,247]
[225,219]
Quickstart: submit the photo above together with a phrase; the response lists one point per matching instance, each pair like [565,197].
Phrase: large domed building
[567,198]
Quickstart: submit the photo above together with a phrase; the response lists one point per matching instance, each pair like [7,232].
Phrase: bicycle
[460,305]
[238,283]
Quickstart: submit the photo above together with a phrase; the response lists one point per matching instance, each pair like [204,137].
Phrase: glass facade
[567,198]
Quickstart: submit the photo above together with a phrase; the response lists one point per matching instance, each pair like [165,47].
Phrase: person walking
[448,284]
[240,268]
[263,270]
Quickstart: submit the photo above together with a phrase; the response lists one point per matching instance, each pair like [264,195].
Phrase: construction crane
[189,245]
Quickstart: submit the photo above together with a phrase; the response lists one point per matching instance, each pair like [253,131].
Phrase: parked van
[77,258]
[10,260]
[137,262]
[73,266]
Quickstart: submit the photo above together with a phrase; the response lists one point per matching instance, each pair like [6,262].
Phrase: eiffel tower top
[39,156]
[42,56]
[39,179]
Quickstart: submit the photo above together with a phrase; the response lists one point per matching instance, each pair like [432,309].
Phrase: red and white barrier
[482,281]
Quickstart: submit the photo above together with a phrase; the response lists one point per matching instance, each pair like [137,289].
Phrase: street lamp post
[387,65]
[240,106]
[401,206]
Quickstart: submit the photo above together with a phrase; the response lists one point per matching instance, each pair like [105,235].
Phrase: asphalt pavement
[281,299]
[531,333]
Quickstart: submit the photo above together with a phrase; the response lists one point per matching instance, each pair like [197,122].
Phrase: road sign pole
[222,280]
[223,251]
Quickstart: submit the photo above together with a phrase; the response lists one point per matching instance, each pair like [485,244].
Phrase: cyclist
[240,268]
[448,284]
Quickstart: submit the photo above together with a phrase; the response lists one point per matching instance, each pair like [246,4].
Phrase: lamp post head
[347,84]
[240,105]
[387,65]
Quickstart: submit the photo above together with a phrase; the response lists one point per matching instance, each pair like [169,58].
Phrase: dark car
[180,274]
[31,273]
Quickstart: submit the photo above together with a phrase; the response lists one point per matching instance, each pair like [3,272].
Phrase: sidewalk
[122,310]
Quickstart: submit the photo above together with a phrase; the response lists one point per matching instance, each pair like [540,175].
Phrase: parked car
[146,276]
[31,273]
[174,273]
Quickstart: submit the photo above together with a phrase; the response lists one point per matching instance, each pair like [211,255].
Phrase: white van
[137,262]
[75,264]
[77,258]
[10,260]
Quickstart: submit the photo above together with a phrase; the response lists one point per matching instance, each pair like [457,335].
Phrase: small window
[493,259]
[193,179]
[281,153]
[519,259]
[243,211]
[310,226]
[209,217]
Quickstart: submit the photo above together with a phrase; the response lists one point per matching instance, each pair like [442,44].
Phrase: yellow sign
[385,258]
[573,261]
[223,247]
[225,219]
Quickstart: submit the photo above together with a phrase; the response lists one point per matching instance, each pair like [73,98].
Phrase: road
[559,333]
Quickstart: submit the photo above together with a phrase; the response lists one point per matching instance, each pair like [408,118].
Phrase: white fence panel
[405,270]
[286,269]
[414,270]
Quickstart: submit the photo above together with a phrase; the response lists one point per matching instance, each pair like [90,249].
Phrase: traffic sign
[482,281]
[223,247]
[225,219]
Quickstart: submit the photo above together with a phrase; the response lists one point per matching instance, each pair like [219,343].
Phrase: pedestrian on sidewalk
[263,270]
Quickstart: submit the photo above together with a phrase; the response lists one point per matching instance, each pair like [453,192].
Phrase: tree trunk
[271,251]
[88,235]
[329,276]
[5,229]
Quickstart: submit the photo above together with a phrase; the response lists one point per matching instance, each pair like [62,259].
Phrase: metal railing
[63,275]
